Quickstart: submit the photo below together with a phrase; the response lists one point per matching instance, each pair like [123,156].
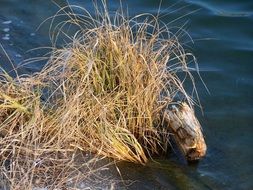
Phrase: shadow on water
[223,35]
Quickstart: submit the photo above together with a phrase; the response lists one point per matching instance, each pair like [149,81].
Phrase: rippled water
[223,44]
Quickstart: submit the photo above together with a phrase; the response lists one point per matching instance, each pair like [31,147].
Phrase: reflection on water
[223,35]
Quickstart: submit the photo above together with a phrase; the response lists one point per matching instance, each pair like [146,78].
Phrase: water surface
[223,44]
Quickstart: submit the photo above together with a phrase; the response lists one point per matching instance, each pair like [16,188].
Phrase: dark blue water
[223,44]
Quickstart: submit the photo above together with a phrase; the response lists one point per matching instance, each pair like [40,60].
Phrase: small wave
[7,22]
[233,14]
[221,11]
[6,29]
[6,37]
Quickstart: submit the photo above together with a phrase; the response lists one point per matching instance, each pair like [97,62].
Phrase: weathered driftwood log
[186,131]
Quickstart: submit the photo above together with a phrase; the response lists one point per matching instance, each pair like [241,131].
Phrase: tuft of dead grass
[29,152]
[113,80]
[104,93]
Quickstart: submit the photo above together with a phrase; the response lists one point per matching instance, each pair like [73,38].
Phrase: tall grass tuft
[113,81]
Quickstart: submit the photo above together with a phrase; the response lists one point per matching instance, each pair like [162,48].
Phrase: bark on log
[186,131]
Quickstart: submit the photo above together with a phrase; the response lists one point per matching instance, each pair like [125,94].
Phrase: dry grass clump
[19,113]
[112,82]
[105,92]
[33,151]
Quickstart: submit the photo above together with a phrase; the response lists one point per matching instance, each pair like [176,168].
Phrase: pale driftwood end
[186,130]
